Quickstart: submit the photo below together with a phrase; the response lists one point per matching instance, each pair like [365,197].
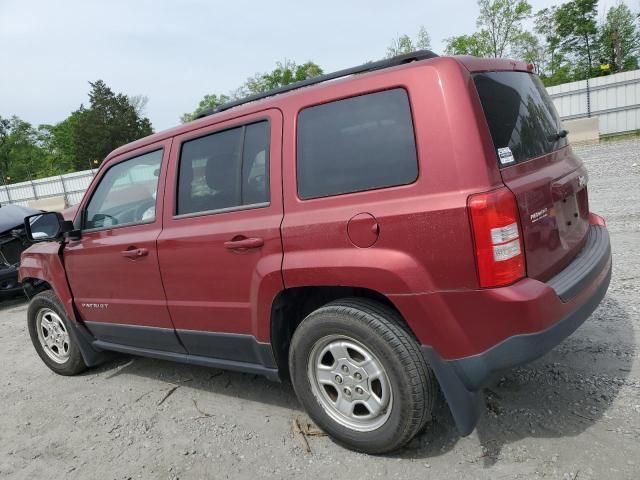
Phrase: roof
[270,98]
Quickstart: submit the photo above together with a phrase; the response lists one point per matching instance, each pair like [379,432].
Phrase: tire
[373,336]
[47,320]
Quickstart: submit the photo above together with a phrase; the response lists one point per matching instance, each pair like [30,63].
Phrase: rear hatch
[538,166]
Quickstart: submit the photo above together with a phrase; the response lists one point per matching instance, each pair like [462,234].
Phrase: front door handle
[135,253]
[244,243]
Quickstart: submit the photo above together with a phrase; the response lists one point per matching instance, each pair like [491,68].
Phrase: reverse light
[497,238]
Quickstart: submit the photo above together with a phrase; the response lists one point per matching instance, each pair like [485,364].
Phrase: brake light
[496,236]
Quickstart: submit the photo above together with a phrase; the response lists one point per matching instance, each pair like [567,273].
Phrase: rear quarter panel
[424,243]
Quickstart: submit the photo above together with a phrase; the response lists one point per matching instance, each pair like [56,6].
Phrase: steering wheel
[142,208]
[100,220]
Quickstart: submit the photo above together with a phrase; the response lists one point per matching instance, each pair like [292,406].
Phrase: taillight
[497,237]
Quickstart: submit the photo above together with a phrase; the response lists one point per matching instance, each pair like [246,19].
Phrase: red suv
[420,223]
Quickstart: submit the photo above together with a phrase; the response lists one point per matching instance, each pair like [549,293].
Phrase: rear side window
[225,169]
[521,116]
[356,144]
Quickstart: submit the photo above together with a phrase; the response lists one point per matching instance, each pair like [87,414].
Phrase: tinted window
[255,174]
[225,169]
[520,115]
[126,193]
[356,144]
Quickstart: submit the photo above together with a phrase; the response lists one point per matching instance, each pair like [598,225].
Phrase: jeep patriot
[373,235]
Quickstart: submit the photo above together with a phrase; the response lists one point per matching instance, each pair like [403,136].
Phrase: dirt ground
[573,414]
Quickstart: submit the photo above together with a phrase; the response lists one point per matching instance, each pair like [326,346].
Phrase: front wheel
[360,375]
[52,336]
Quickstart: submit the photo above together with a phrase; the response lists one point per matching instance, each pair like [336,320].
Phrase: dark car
[385,230]
[13,242]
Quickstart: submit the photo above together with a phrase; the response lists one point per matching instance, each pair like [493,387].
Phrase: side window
[255,174]
[224,170]
[126,194]
[356,144]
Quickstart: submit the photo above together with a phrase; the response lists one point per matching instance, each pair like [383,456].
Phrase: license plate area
[572,218]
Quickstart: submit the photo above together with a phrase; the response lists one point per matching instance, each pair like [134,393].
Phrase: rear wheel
[52,335]
[360,375]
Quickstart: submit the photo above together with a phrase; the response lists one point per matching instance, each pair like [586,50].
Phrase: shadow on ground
[6,304]
[559,395]
[235,385]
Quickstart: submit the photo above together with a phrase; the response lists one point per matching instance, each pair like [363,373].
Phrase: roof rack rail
[366,67]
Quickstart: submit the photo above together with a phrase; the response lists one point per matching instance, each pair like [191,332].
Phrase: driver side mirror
[47,226]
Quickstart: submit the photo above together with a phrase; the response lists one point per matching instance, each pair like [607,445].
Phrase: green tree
[477,44]
[21,156]
[80,141]
[555,69]
[577,30]
[285,73]
[500,31]
[208,102]
[110,121]
[620,39]
[58,143]
[502,20]
[404,44]
[528,48]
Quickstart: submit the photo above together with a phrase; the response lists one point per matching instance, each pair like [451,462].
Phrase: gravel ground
[575,413]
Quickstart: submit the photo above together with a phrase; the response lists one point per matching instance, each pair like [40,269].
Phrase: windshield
[522,119]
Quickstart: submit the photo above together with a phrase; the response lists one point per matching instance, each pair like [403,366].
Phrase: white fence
[70,186]
[614,99]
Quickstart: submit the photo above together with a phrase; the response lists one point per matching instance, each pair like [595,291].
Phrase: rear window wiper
[561,134]
[554,137]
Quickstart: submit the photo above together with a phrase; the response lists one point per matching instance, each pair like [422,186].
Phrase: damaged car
[13,242]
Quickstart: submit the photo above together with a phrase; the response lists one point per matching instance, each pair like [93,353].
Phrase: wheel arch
[43,262]
[292,305]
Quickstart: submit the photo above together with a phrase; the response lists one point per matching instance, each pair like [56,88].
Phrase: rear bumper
[474,371]
[577,292]
[593,264]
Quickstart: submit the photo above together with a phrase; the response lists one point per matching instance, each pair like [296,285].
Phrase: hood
[12,216]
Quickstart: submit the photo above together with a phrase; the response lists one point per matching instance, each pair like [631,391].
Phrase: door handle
[135,253]
[244,243]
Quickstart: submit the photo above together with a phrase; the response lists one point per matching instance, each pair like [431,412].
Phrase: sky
[176,52]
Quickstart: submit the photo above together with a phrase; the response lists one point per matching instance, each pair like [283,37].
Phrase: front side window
[224,170]
[356,144]
[126,194]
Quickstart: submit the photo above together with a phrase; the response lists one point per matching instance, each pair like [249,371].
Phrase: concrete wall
[583,129]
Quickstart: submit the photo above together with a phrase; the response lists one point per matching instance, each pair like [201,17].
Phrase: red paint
[210,287]
[420,253]
[70,212]
[363,230]
[595,219]
[43,261]
[98,272]
[550,184]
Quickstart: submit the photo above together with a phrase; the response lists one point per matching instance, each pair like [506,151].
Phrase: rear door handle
[244,243]
[135,253]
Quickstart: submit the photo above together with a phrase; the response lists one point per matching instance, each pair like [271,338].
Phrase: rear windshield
[522,119]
